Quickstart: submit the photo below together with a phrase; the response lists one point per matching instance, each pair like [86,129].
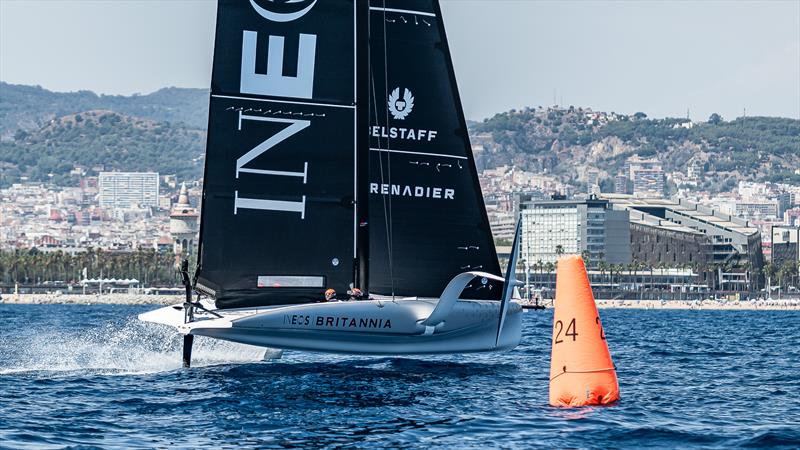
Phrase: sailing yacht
[341,208]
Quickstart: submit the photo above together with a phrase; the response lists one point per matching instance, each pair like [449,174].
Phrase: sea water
[93,376]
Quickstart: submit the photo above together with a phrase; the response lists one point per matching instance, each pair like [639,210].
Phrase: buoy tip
[570,258]
[574,262]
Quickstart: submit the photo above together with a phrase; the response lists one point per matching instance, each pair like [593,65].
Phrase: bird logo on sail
[401,108]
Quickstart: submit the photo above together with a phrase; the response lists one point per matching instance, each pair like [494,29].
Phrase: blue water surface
[93,376]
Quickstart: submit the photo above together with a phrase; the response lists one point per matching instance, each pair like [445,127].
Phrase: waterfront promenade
[139,299]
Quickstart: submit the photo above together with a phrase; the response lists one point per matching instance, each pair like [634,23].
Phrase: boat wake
[120,348]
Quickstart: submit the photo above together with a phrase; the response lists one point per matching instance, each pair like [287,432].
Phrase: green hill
[566,142]
[102,138]
[31,107]
[43,134]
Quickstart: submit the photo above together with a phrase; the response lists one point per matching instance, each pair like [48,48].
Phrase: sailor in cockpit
[353,293]
[330,295]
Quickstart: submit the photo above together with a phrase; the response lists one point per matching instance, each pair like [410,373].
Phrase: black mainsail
[297,196]
[278,216]
[428,222]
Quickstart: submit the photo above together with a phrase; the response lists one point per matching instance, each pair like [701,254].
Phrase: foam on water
[127,347]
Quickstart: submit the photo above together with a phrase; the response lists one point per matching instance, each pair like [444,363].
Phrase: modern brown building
[785,245]
[724,250]
[658,243]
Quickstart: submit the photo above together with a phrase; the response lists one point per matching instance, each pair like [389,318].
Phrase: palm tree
[769,272]
[615,268]
[631,266]
[549,268]
[585,255]
[787,270]
[700,269]
[5,265]
[35,264]
[713,269]
[794,267]
[602,265]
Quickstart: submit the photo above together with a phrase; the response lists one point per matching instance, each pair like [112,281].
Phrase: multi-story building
[785,201]
[657,242]
[785,245]
[503,225]
[648,183]
[89,190]
[647,176]
[49,217]
[128,189]
[756,209]
[592,181]
[694,170]
[677,233]
[791,217]
[554,227]
[622,185]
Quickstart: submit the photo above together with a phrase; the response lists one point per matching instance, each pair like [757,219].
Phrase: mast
[362,146]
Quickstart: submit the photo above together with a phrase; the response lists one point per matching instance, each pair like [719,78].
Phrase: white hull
[378,327]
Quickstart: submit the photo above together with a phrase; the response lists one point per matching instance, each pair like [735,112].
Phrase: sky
[664,58]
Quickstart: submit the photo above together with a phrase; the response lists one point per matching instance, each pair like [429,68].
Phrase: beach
[749,305]
[792,304]
[91,299]
[141,299]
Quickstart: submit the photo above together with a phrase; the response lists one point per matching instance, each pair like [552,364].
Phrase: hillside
[567,141]
[102,138]
[45,133]
[30,107]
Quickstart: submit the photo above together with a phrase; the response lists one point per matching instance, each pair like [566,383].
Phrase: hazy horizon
[660,58]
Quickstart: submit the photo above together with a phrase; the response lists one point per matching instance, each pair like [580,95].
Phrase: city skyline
[665,59]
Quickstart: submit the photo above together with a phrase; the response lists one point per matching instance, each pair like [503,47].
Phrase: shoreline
[141,299]
[707,305]
[91,299]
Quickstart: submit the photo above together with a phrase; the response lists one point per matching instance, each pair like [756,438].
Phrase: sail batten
[411,152]
[286,102]
[402,11]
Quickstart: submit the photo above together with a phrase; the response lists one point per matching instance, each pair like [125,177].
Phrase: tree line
[782,277]
[33,266]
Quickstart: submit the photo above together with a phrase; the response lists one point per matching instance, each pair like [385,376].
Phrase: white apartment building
[646,178]
[128,189]
[756,209]
[554,227]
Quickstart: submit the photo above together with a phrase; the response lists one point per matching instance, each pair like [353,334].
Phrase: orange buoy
[581,370]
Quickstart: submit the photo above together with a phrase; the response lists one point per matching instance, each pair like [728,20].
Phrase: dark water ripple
[92,376]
